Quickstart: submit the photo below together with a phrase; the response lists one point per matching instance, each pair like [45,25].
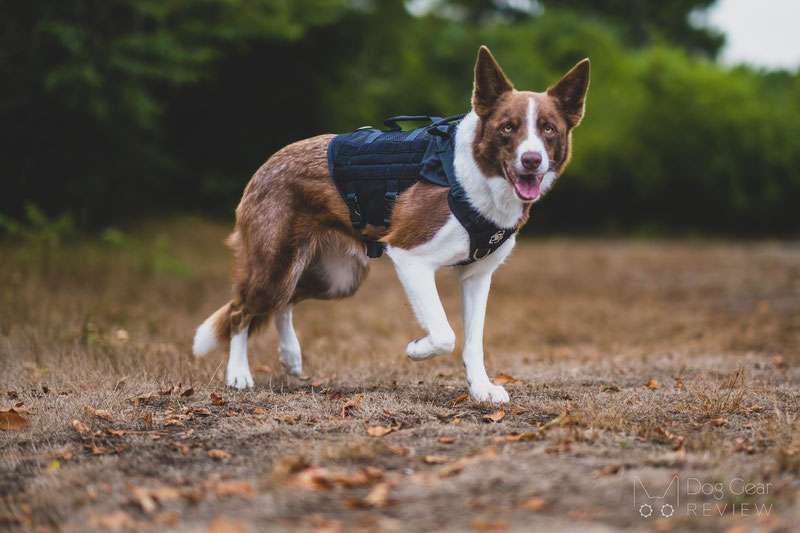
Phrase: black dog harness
[371,167]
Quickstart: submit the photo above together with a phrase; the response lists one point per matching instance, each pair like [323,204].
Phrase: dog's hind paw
[240,378]
[488,393]
[427,348]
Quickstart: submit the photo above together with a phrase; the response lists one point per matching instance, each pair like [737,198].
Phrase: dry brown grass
[582,325]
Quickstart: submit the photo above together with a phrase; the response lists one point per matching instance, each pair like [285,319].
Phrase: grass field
[628,363]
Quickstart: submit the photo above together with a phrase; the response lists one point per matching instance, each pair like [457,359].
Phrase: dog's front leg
[418,278]
[474,294]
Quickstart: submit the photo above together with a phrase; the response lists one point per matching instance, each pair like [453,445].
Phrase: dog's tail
[214,331]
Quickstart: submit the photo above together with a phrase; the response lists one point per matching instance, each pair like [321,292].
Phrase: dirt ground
[654,387]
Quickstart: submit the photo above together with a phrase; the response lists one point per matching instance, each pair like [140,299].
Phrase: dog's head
[524,137]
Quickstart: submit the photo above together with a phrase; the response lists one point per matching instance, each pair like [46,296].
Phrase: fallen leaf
[223,525]
[514,437]
[564,446]
[517,410]
[719,421]
[202,411]
[355,403]
[168,392]
[317,384]
[611,388]
[504,379]
[114,432]
[116,521]
[497,416]
[481,524]
[378,431]
[260,411]
[216,399]
[534,503]
[143,399]
[12,421]
[458,400]
[172,422]
[224,489]
[289,419]
[378,496]
[99,413]
[446,440]
[653,384]
[451,469]
[218,454]
[397,450]
[148,419]
[188,392]
[435,459]
[80,427]
[780,364]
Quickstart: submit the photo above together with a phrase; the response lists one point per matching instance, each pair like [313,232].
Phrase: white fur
[532,143]
[238,369]
[475,281]
[416,269]
[492,196]
[341,270]
[290,355]
[204,339]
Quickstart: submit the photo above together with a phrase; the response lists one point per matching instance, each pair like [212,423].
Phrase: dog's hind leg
[290,355]
[238,369]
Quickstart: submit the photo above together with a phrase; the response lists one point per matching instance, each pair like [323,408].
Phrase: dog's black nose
[531,160]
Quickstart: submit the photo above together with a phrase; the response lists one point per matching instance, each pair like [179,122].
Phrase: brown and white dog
[294,241]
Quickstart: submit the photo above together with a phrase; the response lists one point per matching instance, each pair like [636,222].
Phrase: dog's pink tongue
[527,188]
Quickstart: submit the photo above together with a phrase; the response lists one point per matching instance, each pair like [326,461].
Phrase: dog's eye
[507,128]
[548,128]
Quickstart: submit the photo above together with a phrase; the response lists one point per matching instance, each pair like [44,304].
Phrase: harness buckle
[355,210]
[389,200]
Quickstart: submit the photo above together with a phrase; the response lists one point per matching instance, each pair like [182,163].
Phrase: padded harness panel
[371,168]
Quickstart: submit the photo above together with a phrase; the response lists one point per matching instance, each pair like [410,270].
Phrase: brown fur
[419,213]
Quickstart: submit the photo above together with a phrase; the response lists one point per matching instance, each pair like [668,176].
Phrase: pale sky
[763,33]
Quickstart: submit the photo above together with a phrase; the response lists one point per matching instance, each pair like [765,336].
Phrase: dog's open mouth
[525,185]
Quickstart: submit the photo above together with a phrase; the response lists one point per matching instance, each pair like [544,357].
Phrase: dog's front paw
[427,348]
[487,392]
[240,378]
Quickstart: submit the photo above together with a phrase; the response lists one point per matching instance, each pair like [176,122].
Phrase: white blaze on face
[532,142]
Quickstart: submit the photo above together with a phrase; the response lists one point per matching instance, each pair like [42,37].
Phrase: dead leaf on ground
[378,496]
[216,399]
[260,411]
[172,422]
[515,437]
[653,384]
[482,524]
[719,421]
[223,525]
[517,410]
[143,398]
[446,440]
[378,431]
[114,432]
[242,489]
[355,403]
[319,478]
[497,416]
[80,427]
[188,392]
[561,447]
[12,421]
[504,379]
[435,459]
[116,521]
[216,453]
[611,388]
[451,469]
[99,413]
[609,470]
[201,411]
[534,503]
[458,400]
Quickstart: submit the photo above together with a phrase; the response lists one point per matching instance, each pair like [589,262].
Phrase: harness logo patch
[496,237]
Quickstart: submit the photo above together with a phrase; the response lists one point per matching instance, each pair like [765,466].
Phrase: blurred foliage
[118,108]
[152,257]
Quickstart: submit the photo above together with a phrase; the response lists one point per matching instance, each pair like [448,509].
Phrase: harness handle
[392,123]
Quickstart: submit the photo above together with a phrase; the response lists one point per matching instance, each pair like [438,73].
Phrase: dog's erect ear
[490,83]
[571,92]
